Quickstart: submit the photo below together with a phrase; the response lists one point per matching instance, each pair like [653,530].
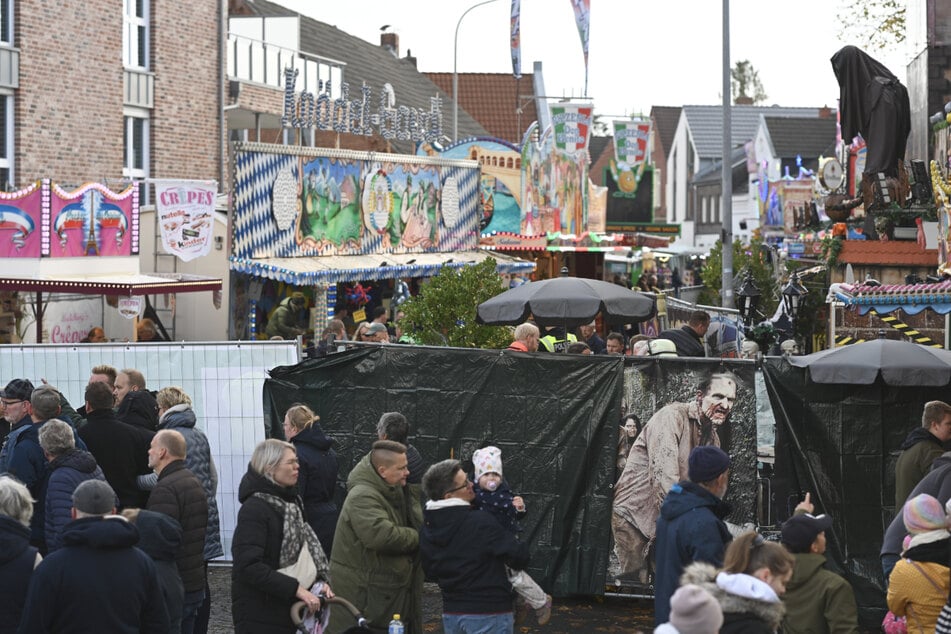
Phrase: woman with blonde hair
[318,471]
[749,587]
[277,559]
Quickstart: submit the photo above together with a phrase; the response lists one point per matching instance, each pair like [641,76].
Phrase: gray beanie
[694,610]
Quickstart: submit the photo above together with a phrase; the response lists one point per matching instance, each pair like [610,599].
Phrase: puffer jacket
[918,591]
[179,495]
[375,561]
[67,472]
[198,460]
[317,482]
[741,614]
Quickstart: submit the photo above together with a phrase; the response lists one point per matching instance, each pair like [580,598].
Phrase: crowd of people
[108,512]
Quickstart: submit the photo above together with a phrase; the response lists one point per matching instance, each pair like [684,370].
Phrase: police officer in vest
[555,340]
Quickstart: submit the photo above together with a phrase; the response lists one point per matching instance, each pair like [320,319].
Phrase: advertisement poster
[186,216]
[64,321]
[93,221]
[554,185]
[20,218]
[719,402]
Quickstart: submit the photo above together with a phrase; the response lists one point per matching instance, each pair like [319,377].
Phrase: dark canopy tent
[840,443]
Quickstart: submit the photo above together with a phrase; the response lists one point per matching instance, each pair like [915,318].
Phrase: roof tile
[503,105]
[887,253]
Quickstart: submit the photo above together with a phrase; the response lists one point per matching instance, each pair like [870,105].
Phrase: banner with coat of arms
[186,211]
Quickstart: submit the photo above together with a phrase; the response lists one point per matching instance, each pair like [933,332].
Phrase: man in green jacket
[817,600]
[375,562]
[920,449]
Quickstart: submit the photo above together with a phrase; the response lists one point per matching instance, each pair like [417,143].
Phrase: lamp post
[793,293]
[455,75]
[748,296]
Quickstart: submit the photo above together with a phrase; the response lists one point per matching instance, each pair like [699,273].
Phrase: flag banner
[583,20]
[630,141]
[516,38]
[186,216]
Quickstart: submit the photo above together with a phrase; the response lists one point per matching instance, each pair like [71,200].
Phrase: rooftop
[808,138]
[887,253]
[706,124]
[503,105]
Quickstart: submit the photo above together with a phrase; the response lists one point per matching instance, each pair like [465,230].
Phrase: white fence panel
[225,381]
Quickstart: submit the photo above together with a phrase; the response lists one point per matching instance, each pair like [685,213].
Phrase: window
[135,33]
[6,22]
[136,166]
[6,142]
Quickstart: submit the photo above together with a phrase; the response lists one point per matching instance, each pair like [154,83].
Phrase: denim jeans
[190,605]
[502,623]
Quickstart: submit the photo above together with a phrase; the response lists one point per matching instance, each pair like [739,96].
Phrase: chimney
[409,57]
[825,112]
[391,42]
[743,100]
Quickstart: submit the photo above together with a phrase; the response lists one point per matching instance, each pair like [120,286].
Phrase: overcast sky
[641,53]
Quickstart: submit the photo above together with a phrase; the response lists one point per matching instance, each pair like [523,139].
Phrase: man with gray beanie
[691,527]
[98,581]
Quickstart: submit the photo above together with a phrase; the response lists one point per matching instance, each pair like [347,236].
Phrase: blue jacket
[28,464]
[690,528]
[466,551]
[17,559]
[67,472]
[317,482]
[98,581]
[10,441]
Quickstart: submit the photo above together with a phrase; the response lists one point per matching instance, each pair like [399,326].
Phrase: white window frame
[130,172]
[6,160]
[131,23]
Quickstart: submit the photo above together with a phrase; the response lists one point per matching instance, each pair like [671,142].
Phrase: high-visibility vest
[553,344]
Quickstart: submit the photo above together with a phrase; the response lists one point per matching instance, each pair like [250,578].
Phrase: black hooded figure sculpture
[873,103]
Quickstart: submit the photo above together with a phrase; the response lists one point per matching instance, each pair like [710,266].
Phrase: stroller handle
[299,610]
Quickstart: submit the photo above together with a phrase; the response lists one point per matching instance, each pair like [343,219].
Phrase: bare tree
[746,85]
[879,24]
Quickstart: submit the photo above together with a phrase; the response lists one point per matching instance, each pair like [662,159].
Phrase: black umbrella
[566,301]
[898,363]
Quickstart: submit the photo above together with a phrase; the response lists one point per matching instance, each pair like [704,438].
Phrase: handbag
[892,624]
[303,569]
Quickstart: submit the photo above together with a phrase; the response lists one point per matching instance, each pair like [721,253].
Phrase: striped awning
[910,298]
[304,271]
[117,284]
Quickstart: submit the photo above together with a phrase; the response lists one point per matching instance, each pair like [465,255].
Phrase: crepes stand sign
[186,216]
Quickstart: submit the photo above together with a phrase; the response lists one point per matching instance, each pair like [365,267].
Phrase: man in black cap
[98,581]
[818,601]
[17,411]
[691,527]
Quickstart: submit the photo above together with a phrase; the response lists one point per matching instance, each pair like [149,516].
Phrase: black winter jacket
[17,559]
[160,537]
[180,495]
[122,452]
[98,581]
[139,409]
[317,482]
[261,597]
[466,551]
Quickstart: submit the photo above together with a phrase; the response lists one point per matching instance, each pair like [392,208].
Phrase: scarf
[297,532]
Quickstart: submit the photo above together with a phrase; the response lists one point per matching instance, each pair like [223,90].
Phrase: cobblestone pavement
[587,614]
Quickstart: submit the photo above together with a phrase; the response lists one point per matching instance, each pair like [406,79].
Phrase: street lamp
[748,296]
[792,299]
[455,75]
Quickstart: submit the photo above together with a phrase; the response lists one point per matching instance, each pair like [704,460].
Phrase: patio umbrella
[897,362]
[566,301]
